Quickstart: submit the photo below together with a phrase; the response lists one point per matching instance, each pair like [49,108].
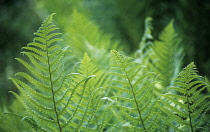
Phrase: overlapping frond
[132,94]
[19,123]
[85,36]
[144,51]
[87,107]
[167,55]
[186,109]
[47,90]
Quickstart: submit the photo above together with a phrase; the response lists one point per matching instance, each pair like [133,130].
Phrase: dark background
[123,19]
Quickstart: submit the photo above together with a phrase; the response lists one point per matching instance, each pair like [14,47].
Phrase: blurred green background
[122,19]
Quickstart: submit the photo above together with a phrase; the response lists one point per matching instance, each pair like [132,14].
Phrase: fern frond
[167,55]
[47,91]
[19,123]
[91,106]
[134,105]
[188,107]
[144,50]
[85,36]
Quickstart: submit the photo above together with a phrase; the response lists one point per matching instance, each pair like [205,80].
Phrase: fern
[20,123]
[85,36]
[88,111]
[167,55]
[132,95]
[57,98]
[186,110]
[145,50]
[163,56]
[46,91]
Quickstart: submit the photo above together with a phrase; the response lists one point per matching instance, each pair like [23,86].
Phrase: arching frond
[87,107]
[186,109]
[142,55]
[167,55]
[47,90]
[132,94]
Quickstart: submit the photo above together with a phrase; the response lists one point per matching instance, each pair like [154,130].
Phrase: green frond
[189,107]
[19,123]
[167,55]
[133,94]
[144,49]
[91,105]
[85,36]
[46,90]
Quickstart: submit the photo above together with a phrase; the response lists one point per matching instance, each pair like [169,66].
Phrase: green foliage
[187,107]
[19,123]
[168,55]
[144,49]
[124,19]
[163,56]
[134,94]
[121,18]
[46,81]
[84,36]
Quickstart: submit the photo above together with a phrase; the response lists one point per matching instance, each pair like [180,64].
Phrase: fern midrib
[139,111]
[169,55]
[169,66]
[92,103]
[188,104]
[134,96]
[51,83]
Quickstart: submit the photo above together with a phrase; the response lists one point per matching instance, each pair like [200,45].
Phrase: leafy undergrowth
[105,91]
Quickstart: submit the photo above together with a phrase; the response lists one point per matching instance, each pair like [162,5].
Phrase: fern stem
[139,111]
[188,102]
[90,93]
[137,107]
[92,104]
[188,105]
[51,85]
